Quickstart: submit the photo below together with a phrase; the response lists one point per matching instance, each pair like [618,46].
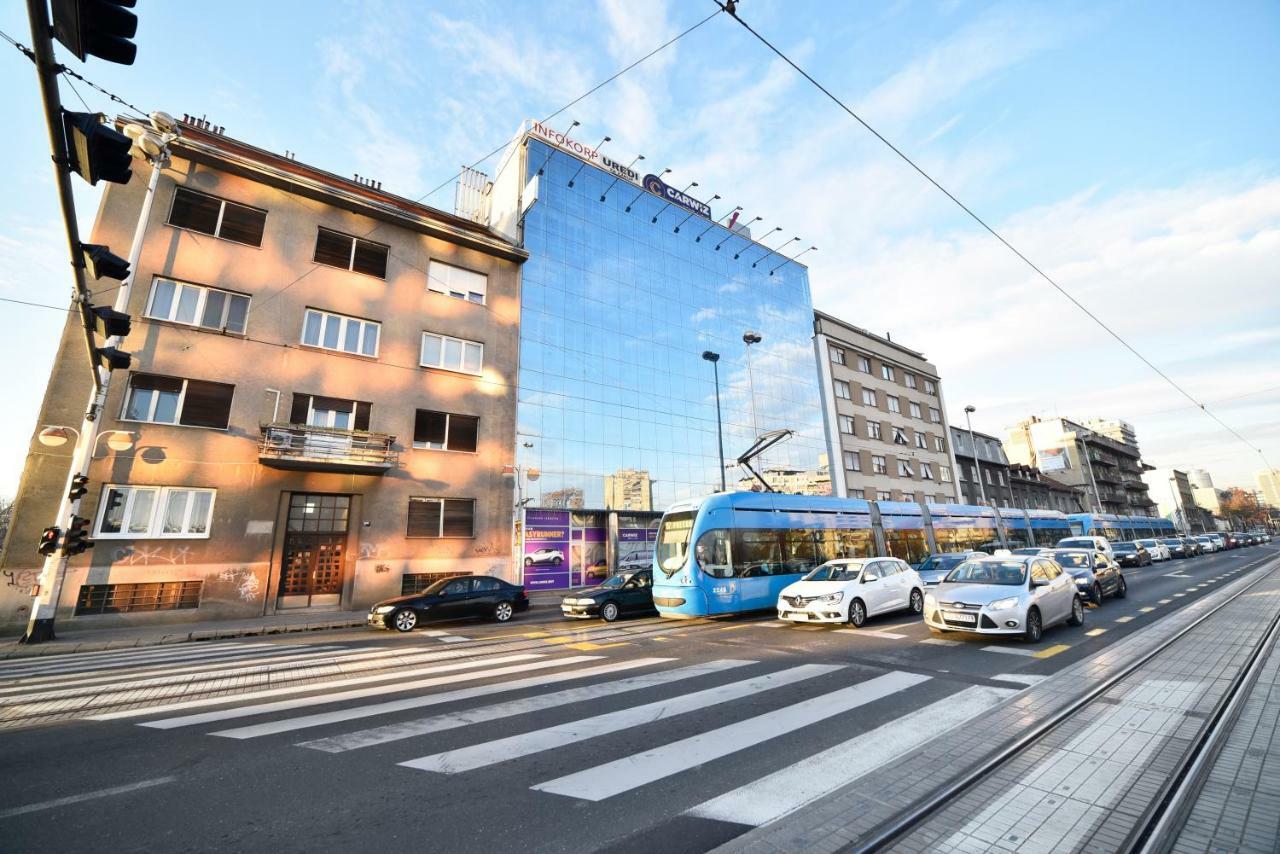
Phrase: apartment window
[910,380]
[173,400]
[1000,477]
[879,465]
[869,397]
[973,472]
[445,431]
[930,387]
[939,445]
[197,305]
[211,215]
[904,469]
[852,461]
[339,332]
[894,404]
[147,512]
[882,495]
[842,390]
[846,424]
[926,471]
[916,412]
[864,364]
[886,372]
[944,472]
[350,253]
[334,413]
[987,472]
[437,518]
[456,282]
[921,442]
[873,430]
[837,355]
[935,415]
[900,436]
[452,354]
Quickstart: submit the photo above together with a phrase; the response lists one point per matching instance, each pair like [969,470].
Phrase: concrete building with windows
[320,402]
[628,489]
[885,417]
[982,473]
[1115,429]
[1175,500]
[1109,472]
[1269,486]
[1035,490]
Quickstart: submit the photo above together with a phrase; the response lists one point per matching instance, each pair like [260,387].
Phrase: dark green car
[627,592]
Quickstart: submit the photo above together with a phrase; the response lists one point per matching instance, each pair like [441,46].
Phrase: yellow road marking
[535,635]
[1093,633]
[1052,651]
[731,628]
[587,646]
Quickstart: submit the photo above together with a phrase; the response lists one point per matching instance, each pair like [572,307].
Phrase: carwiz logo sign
[654,184]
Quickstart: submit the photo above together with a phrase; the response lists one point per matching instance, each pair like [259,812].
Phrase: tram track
[1156,829]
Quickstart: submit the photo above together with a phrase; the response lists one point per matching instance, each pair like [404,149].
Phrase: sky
[1130,149]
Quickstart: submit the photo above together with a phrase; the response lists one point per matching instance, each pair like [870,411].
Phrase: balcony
[297,447]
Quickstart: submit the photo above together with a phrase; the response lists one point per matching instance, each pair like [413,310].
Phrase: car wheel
[528,561]
[404,620]
[917,601]
[1034,630]
[609,611]
[556,561]
[857,613]
[1077,613]
[1095,594]
[1122,588]
[503,611]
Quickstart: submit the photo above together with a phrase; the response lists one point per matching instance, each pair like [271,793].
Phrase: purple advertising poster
[635,547]
[546,549]
[587,549]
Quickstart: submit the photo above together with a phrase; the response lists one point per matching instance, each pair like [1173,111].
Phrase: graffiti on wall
[146,555]
[21,578]
[243,580]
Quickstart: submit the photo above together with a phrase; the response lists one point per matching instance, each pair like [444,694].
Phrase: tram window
[800,554]
[841,543]
[712,553]
[757,552]
[1019,538]
[909,545]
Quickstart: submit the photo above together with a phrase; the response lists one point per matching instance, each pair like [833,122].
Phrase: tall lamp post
[749,338]
[977,463]
[713,358]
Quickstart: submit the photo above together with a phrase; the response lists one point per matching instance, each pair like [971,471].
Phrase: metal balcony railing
[301,447]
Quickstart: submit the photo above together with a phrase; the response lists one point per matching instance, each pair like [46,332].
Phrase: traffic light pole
[48,590]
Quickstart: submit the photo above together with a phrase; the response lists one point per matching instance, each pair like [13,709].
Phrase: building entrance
[315,540]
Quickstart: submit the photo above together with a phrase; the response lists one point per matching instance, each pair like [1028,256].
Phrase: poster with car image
[546,549]
[635,548]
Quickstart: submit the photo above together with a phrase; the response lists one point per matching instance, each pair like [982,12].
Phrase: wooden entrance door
[314,550]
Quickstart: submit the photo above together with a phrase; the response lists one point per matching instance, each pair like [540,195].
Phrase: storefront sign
[658,187]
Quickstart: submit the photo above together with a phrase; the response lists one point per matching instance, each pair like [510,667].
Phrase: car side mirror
[869,578]
[1039,582]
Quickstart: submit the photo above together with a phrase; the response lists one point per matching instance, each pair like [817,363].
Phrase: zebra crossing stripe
[525,744]
[52,668]
[109,654]
[785,791]
[426,726]
[631,772]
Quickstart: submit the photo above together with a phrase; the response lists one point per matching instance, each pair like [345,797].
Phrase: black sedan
[1177,548]
[1131,554]
[451,599]
[623,593]
[1095,574]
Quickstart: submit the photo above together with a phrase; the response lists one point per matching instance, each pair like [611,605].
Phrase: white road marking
[1124,619]
[1146,610]
[1011,650]
[432,725]
[631,772]
[315,686]
[1178,574]
[870,634]
[1165,601]
[59,668]
[1178,595]
[774,624]
[108,654]
[85,796]
[785,791]
[942,642]
[525,744]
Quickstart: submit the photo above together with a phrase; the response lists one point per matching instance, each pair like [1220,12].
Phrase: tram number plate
[966,619]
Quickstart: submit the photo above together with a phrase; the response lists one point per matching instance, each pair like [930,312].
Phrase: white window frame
[879,464]
[886,372]
[894,404]
[900,436]
[883,495]
[151,410]
[935,415]
[159,509]
[846,421]
[443,284]
[837,354]
[344,322]
[852,461]
[440,501]
[909,379]
[921,441]
[448,434]
[944,472]
[930,387]
[926,471]
[916,411]
[869,398]
[939,445]
[874,430]
[904,469]
[843,391]
[201,301]
[864,364]
[462,351]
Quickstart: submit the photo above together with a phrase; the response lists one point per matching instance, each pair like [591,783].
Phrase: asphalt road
[538,735]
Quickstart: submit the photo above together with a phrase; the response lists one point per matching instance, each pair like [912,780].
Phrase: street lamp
[749,338]
[713,358]
[57,435]
[977,463]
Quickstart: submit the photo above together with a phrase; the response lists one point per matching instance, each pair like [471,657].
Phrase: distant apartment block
[983,473]
[1114,429]
[1269,486]
[628,489]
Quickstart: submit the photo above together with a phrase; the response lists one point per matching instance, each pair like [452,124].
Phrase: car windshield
[673,541]
[1076,544]
[616,580]
[943,563]
[1124,547]
[1146,543]
[1070,559]
[844,571]
[1027,551]
[1008,572]
[1172,542]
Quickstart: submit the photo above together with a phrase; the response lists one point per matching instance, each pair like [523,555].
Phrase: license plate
[967,619]
[800,615]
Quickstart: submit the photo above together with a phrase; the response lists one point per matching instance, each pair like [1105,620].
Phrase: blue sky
[1130,148]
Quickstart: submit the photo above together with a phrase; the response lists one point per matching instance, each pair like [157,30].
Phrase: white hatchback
[851,590]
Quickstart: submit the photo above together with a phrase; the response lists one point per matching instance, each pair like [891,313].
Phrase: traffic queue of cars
[1019,592]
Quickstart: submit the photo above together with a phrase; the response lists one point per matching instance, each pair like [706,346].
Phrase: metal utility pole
[977,463]
[749,338]
[714,359]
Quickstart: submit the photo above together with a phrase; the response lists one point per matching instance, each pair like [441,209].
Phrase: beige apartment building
[885,417]
[319,407]
[628,489]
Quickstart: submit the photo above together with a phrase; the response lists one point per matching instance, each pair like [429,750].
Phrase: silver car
[1014,595]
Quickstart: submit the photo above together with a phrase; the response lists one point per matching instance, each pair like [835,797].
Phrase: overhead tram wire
[730,6]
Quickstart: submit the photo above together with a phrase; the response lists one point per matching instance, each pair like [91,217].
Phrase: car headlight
[1001,604]
[930,600]
[384,609]
[831,598]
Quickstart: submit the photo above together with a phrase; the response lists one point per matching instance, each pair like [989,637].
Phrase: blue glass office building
[617,308]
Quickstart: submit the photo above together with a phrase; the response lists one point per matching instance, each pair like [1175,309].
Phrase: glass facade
[616,311]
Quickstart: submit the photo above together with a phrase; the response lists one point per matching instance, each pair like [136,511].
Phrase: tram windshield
[673,542]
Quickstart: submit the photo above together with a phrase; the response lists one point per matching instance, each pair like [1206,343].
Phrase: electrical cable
[730,6]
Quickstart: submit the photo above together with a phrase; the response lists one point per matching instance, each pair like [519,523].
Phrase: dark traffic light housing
[79,486]
[49,541]
[108,322]
[101,264]
[77,540]
[112,359]
[100,28]
[95,151]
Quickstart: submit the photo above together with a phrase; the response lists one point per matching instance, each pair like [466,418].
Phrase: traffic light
[112,359]
[79,486]
[101,264]
[108,322]
[100,28]
[49,541]
[77,540]
[97,152]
